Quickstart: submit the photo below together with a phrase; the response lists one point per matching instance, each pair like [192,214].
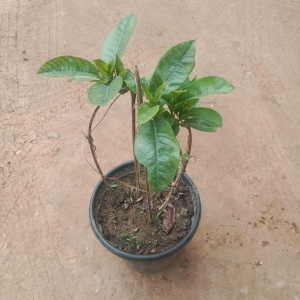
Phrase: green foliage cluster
[173,97]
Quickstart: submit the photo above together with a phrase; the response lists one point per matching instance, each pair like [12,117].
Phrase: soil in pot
[125,221]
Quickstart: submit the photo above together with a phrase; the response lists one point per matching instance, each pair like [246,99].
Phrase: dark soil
[125,221]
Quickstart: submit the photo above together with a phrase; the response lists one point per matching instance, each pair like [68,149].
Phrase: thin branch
[163,206]
[90,139]
[106,112]
[148,193]
[83,144]
[93,147]
[182,169]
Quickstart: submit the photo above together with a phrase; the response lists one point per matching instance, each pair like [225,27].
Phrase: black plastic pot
[143,263]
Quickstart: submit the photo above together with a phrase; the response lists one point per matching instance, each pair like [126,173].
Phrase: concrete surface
[248,174]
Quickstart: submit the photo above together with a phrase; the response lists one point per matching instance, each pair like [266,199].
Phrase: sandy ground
[248,242]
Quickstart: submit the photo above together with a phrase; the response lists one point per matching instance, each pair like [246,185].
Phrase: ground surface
[248,175]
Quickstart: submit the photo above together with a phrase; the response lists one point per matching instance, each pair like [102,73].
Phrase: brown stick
[133,127]
[138,87]
[182,169]
[93,148]
[148,194]
[139,98]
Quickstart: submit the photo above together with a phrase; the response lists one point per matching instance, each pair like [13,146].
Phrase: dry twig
[148,193]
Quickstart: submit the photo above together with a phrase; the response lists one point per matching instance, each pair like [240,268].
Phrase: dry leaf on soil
[169,218]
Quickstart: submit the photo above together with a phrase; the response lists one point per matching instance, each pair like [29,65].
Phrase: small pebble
[52,135]
[183,212]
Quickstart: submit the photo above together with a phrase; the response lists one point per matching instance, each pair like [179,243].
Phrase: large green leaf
[69,66]
[118,39]
[157,148]
[100,94]
[146,112]
[206,86]
[203,119]
[174,66]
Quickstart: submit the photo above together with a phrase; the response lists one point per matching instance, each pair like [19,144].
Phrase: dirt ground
[248,175]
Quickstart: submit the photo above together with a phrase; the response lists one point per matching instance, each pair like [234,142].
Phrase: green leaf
[175,128]
[147,93]
[130,81]
[199,125]
[159,213]
[185,156]
[118,39]
[161,110]
[171,98]
[100,94]
[102,66]
[153,232]
[146,80]
[113,185]
[111,67]
[159,92]
[184,85]
[187,104]
[146,112]
[203,119]
[84,78]
[63,66]
[194,103]
[168,117]
[157,148]
[206,114]
[206,86]
[119,65]
[174,67]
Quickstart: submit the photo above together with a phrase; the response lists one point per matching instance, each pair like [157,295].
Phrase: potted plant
[147,209]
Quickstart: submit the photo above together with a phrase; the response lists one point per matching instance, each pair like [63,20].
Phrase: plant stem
[133,127]
[93,147]
[138,87]
[163,206]
[182,169]
[184,162]
[139,98]
[148,194]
